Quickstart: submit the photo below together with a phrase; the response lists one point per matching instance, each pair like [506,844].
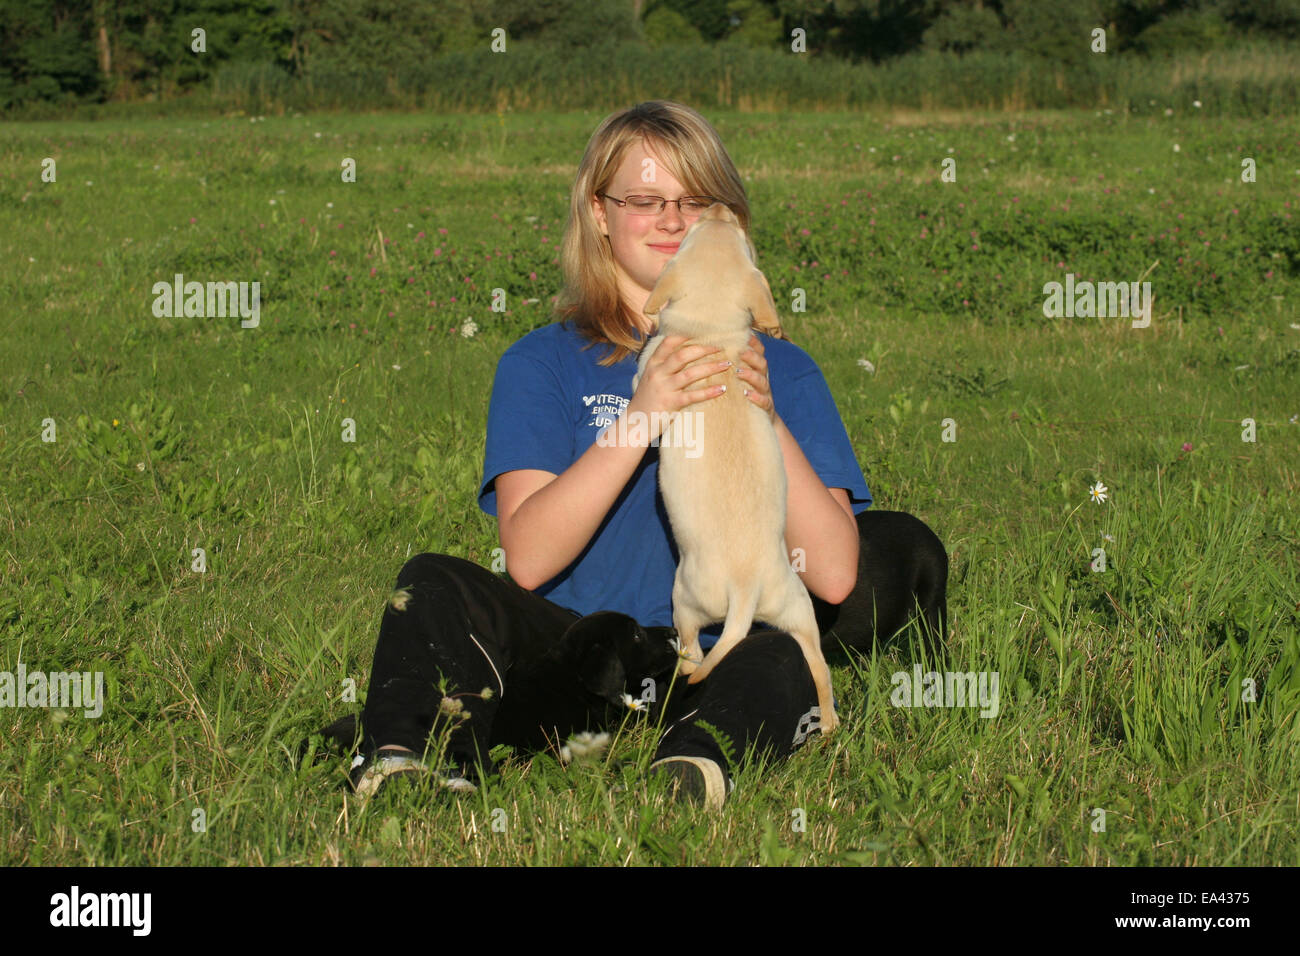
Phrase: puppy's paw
[830,722]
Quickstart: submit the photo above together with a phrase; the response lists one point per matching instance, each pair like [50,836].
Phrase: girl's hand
[758,389]
[666,384]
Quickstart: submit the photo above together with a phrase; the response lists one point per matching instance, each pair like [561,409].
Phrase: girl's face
[641,245]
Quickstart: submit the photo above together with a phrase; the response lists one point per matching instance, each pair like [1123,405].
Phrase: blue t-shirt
[551,399]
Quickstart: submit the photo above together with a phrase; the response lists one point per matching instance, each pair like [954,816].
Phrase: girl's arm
[545,520]
[820,521]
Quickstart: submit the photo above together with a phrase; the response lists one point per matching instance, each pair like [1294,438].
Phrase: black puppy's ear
[601,671]
[594,648]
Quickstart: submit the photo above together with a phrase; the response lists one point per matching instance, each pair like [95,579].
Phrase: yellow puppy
[726,496]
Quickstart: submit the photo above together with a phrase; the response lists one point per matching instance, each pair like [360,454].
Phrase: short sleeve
[528,424]
[809,411]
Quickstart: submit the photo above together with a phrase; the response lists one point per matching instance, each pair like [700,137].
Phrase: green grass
[1119,690]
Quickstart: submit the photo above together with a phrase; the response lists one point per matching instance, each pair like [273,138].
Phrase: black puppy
[902,572]
[571,686]
[584,676]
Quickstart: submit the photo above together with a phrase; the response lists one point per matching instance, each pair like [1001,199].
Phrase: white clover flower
[1098,492]
[864,363]
[1196,103]
[583,746]
[1177,148]
[468,329]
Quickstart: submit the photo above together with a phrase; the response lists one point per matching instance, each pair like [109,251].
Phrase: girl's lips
[665,247]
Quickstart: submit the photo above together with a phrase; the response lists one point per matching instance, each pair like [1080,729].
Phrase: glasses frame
[663,204]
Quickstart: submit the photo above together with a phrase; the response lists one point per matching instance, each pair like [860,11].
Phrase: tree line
[104,50]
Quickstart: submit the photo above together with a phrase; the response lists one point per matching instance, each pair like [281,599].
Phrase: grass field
[1121,690]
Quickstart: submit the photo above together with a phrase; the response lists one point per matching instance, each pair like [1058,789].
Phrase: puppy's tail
[741,605]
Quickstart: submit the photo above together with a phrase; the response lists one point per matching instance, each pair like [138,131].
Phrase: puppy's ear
[758,297]
[600,669]
[666,289]
[593,648]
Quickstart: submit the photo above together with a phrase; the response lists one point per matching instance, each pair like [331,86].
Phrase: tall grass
[1254,79]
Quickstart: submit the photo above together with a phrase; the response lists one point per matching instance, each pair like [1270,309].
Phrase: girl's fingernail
[746,391]
[723,387]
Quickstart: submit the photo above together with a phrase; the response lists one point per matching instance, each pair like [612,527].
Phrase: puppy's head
[612,654]
[716,249]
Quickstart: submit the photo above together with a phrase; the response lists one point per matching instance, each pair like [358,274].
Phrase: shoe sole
[708,786]
[382,770]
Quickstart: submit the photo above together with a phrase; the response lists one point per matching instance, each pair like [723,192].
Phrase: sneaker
[699,779]
[369,772]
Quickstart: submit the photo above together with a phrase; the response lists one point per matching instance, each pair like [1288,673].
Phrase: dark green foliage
[404,53]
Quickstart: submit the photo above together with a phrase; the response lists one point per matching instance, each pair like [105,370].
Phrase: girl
[581,523]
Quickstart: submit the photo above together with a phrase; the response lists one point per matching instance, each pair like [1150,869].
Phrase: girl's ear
[665,290]
[758,299]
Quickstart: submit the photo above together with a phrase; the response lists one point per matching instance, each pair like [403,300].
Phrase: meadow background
[1120,690]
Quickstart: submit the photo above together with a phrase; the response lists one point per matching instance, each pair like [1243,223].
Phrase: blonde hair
[693,153]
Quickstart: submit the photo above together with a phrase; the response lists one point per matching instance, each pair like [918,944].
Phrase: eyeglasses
[689,206]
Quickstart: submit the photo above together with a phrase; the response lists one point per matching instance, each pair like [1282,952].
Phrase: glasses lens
[644,205]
